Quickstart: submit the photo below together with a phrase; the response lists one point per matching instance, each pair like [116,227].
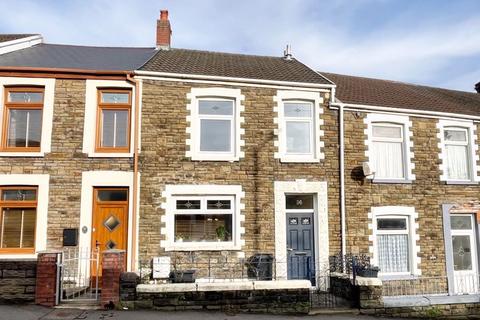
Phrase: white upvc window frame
[173,193]
[470,128]
[396,212]
[194,117]
[47,112]
[203,210]
[311,122]
[405,124]
[316,145]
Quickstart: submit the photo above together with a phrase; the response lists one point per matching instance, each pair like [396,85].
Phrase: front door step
[317,311]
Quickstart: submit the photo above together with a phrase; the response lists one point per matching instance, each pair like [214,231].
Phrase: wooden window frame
[111,106]
[24,106]
[29,204]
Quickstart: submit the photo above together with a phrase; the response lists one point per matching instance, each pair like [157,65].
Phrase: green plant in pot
[221,233]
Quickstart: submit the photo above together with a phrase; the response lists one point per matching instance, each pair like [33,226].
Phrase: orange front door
[110,220]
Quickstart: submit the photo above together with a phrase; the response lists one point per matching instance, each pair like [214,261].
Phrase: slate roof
[4,37]
[78,57]
[385,93]
[208,63]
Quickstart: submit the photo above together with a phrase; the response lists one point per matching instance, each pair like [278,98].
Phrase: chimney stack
[164,31]
[477,87]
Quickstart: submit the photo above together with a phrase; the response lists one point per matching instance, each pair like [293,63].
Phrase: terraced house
[233,166]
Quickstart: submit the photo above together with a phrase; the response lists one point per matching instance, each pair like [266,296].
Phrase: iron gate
[78,275]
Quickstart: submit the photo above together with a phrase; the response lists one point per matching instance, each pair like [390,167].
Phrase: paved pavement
[32,312]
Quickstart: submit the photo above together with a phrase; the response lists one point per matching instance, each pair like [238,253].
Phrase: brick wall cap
[49,251]
[367,282]
[113,251]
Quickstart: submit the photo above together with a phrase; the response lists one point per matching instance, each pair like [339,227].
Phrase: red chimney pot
[163,15]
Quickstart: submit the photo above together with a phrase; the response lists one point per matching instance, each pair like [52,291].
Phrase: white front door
[464,254]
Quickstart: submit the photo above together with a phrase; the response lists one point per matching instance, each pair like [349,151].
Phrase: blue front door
[300,246]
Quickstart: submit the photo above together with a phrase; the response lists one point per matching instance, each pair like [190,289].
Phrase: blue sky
[430,42]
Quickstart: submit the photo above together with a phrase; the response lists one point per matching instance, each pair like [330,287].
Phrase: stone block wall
[66,162]
[163,161]
[17,281]
[427,193]
[282,301]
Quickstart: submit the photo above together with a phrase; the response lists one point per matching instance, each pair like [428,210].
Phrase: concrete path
[32,312]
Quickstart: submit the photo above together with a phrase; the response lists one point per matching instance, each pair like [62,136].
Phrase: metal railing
[79,270]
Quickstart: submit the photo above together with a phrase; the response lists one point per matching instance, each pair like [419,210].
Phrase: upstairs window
[299,128]
[457,153]
[388,156]
[22,124]
[18,211]
[113,128]
[216,125]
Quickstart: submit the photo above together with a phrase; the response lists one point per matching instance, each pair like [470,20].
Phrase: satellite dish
[367,170]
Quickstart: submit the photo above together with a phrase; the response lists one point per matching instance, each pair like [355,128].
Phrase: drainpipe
[135,169]
[341,152]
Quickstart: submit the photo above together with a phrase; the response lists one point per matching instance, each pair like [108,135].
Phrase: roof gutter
[419,113]
[231,79]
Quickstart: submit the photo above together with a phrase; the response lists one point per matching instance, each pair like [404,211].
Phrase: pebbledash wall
[425,194]
[65,163]
[163,161]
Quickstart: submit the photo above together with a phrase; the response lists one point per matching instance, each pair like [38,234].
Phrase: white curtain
[457,162]
[388,160]
[393,252]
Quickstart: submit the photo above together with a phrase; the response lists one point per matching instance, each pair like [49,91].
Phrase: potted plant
[179,238]
[368,271]
[221,233]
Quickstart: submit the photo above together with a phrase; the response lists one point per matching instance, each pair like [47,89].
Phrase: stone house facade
[209,159]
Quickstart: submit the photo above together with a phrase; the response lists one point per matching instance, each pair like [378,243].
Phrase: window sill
[202,246]
[392,181]
[214,158]
[456,182]
[22,154]
[110,155]
[18,256]
[403,276]
[298,160]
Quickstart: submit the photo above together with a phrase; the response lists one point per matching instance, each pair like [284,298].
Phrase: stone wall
[163,161]
[17,281]
[66,162]
[427,193]
[440,311]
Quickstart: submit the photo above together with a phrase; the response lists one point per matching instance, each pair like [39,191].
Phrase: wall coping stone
[224,286]
[370,282]
[422,301]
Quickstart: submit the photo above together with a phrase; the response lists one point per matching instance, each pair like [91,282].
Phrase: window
[22,124]
[299,124]
[206,219]
[215,121]
[388,147]
[18,213]
[113,129]
[393,244]
[458,153]
[216,117]
[203,217]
